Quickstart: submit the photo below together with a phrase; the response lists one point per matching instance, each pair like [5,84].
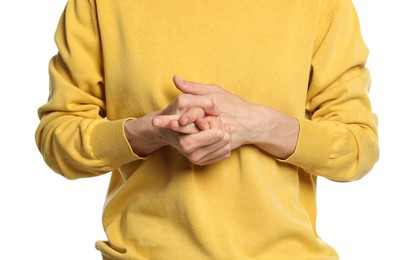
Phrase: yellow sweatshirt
[116,60]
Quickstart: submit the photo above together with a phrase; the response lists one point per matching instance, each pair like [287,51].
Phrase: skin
[207,122]
[203,140]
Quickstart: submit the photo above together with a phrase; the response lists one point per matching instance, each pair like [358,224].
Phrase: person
[215,118]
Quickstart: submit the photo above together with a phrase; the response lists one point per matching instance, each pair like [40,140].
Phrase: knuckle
[228,154]
[209,102]
[183,100]
[227,137]
[201,163]
[218,134]
[227,149]
[186,145]
[195,158]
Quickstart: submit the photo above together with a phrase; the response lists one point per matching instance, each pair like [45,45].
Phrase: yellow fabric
[116,60]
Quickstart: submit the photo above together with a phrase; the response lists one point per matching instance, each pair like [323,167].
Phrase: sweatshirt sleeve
[74,136]
[338,137]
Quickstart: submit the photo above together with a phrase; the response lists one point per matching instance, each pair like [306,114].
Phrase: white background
[44,216]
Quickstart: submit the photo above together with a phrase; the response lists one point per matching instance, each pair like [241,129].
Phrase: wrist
[278,132]
[142,136]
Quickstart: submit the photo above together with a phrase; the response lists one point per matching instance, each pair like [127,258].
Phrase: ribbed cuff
[314,146]
[110,144]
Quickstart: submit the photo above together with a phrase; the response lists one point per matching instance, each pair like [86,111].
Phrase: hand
[155,130]
[235,111]
[192,121]
[202,138]
[269,129]
[185,112]
[203,147]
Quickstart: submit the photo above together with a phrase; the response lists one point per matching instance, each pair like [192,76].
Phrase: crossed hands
[192,124]
[206,122]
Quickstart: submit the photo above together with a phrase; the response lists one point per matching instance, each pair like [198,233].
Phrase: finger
[190,143]
[209,122]
[163,121]
[188,129]
[191,115]
[171,122]
[221,154]
[212,153]
[202,124]
[194,88]
[215,122]
[187,101]
[190,87]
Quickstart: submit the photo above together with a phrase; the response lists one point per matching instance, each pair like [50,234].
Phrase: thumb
[189,87]
[199,91]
